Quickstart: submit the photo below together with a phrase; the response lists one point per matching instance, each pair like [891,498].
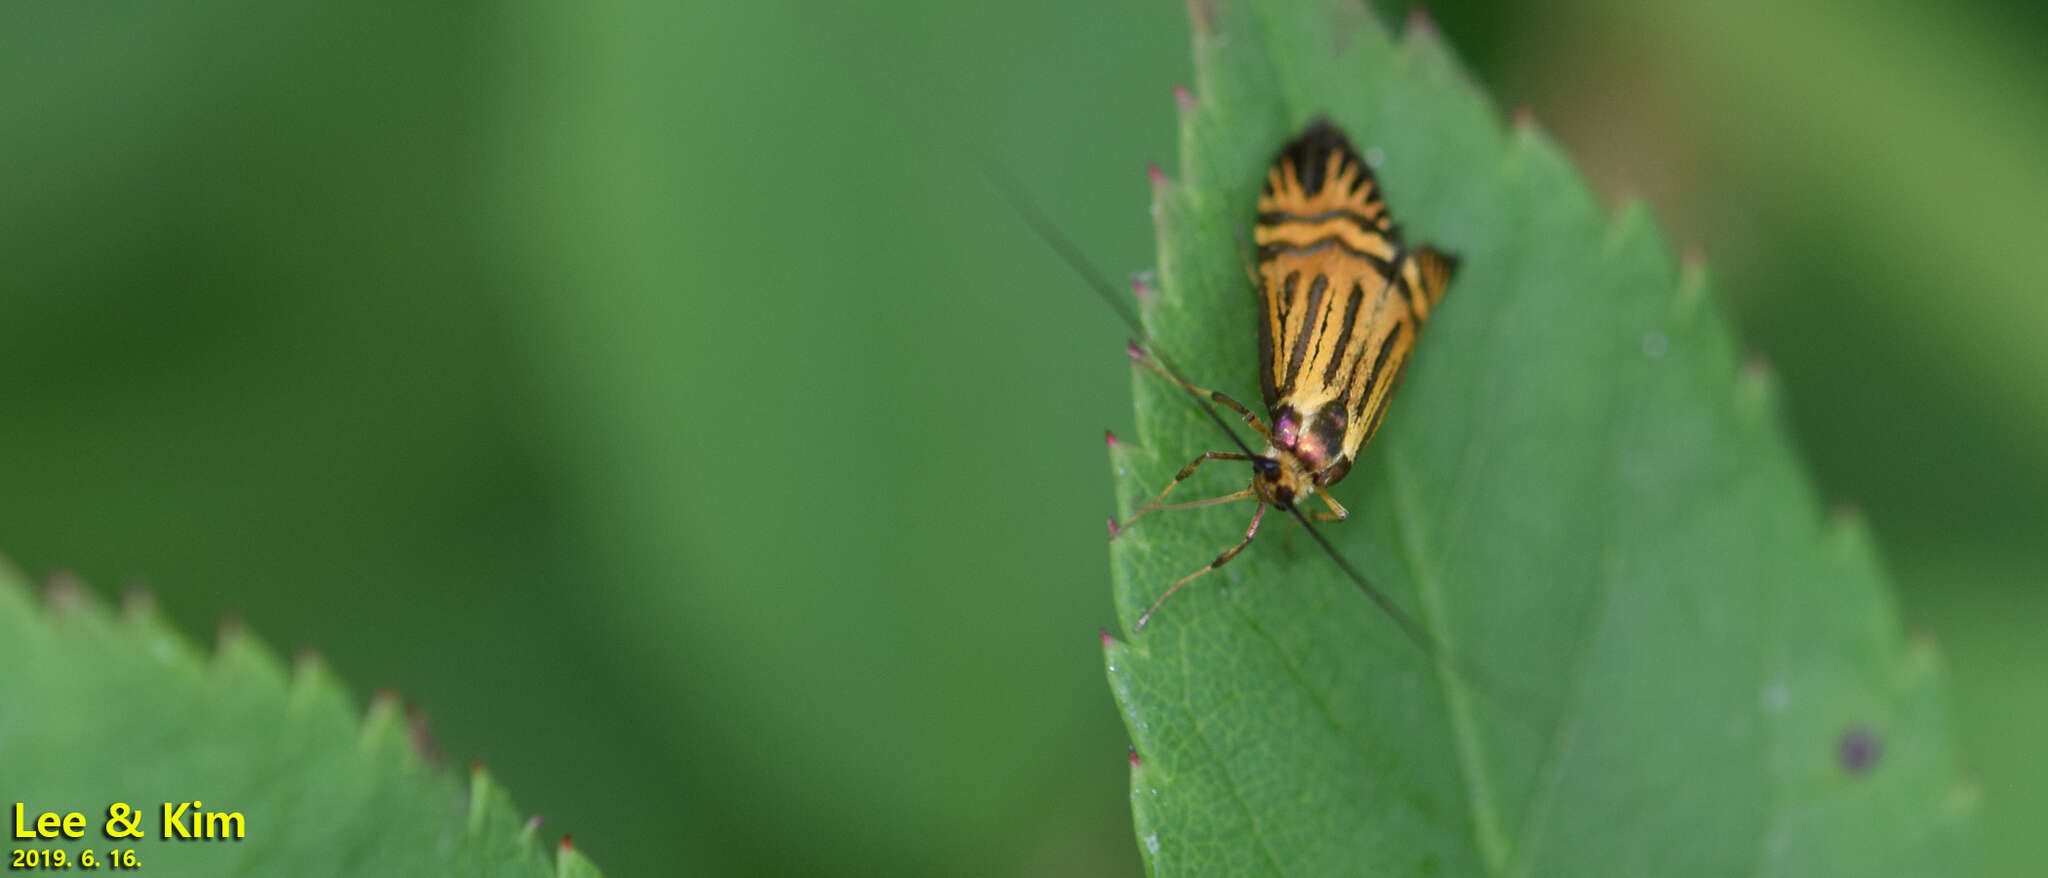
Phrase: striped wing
[1339,319]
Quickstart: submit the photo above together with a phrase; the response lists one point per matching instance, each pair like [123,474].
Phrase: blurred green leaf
[99,708]
[1583,493]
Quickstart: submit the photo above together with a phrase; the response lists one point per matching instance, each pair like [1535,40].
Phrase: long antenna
[1028,209]
[1035,217]
[1042,226]
[1407,623]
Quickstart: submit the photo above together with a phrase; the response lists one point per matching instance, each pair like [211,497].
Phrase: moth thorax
[1316,437]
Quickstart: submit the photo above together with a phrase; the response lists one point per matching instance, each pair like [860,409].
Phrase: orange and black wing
[1343,299]
[1325,246]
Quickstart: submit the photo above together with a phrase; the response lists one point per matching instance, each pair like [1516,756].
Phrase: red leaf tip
[1420,22]
[138,600]
[230,629]
[62,589]
[1141,285]
[421,734]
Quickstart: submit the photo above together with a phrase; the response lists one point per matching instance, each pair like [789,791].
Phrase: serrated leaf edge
[382,730]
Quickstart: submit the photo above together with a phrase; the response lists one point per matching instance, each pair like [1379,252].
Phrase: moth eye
[1267,467]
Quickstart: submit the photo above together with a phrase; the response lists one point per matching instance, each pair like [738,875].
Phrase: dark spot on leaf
[1858,750]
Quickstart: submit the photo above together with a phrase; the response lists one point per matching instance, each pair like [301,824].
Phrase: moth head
[1266,468]
[1278,479]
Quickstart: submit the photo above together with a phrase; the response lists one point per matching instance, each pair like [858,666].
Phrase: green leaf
[1663,645]
[99,708]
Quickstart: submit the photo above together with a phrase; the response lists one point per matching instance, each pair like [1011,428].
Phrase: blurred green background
[704,449]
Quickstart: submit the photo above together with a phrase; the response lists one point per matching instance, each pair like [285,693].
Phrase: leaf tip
[571,863]
[568,843]
[1845,513]
[229,633]
[1144,285]
[1420,24]
[1524,119]
[1202,17]
[306,660]
[1634,225]
[1692,276]
[421,734]
[138,602]
[383,722]
[529,831]
[63,591]
[1161,184]
[384,705]
[1529,148]
[1846,535]
[1759,381]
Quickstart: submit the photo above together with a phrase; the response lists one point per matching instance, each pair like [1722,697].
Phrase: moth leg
[1232,497]
[1215,395]
[1185,472]
[1337,511]
[1221,560]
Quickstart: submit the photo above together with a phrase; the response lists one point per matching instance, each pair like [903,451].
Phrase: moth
[1342,301]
